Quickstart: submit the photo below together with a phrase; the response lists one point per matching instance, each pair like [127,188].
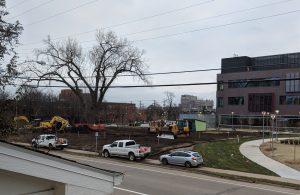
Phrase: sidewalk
[251,151]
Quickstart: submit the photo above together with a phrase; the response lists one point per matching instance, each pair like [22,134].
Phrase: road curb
[288,184]
[293,184]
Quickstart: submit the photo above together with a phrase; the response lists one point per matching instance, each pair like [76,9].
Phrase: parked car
[126,148]
[50,141]
[184,158]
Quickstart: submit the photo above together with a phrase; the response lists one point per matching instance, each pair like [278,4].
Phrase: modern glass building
[247,86]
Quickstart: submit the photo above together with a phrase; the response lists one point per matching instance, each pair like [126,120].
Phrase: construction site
[85,139]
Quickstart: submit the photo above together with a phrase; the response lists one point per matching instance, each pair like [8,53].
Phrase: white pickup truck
[50,141]
[126,148]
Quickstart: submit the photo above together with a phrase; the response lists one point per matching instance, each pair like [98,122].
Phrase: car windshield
[196,154]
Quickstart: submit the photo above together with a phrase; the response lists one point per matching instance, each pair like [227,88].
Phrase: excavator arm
[58,123]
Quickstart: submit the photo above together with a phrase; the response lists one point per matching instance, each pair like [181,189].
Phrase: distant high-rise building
[190,103]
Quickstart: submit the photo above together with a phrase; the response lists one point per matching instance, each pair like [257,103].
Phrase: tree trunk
[92,114]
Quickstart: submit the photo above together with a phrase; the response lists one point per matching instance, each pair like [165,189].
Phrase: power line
[171,72]
[131,21]
[29,10]
[217,26]
[160,14]
[210,17]
[61,13]
[146,74]
[200,19]
[168,85]
[17,4]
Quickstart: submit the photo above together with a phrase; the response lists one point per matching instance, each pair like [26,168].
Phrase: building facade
[190,103]
[247,86]
[111,112]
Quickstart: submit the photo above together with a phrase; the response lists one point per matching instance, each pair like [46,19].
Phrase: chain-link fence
[280,122]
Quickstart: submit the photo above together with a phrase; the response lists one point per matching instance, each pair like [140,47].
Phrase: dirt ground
[283,153]
[86,140]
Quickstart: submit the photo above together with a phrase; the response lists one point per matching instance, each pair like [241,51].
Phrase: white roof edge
[62,160]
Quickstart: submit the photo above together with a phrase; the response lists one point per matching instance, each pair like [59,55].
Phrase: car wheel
[106,154]
[50,146]
[164,161]
[188,164]
[131,156]
[34,145]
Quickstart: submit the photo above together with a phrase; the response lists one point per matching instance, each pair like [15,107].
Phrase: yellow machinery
[21,121]
[57,123]
[156,126]
[176,128]
[180,127]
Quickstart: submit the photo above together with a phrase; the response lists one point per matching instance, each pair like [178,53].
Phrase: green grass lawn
[226,155]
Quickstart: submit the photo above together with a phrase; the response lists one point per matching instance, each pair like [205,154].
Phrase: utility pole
[140,106]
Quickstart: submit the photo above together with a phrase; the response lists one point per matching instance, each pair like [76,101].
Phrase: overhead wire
[60,13]
[210,17]
[218,26]
[169,72]
[31,9]
[200,19]
[129,22]
[215,26]
[146,74]
[17,4]
[166,85]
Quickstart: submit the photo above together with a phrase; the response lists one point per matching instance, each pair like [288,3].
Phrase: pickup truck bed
[126,148]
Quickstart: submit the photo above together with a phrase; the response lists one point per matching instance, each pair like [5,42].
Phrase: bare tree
[170,106]
[94,70]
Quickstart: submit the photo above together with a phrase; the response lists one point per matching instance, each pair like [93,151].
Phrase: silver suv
[185,158]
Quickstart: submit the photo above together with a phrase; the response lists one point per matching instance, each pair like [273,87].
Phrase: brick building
[111,112]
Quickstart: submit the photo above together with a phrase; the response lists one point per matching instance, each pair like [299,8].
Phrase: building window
[220,102]
[258,82]
[289,100]
[258,102]
[220,86]
[235,100]
[292,85]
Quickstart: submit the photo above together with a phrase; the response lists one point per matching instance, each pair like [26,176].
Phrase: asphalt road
[143,179]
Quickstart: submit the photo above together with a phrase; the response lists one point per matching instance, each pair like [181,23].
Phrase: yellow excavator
[57,123]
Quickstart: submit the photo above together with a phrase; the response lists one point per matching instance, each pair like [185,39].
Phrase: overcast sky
[202,48]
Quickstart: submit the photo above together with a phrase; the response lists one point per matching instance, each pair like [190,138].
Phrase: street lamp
[232,120]
[273,116]
[277,112]
[263,135]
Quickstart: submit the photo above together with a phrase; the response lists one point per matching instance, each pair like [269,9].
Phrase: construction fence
[280,122]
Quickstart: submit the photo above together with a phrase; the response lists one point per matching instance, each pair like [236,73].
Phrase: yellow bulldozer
[57,123]
[175,128]
[180,127]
